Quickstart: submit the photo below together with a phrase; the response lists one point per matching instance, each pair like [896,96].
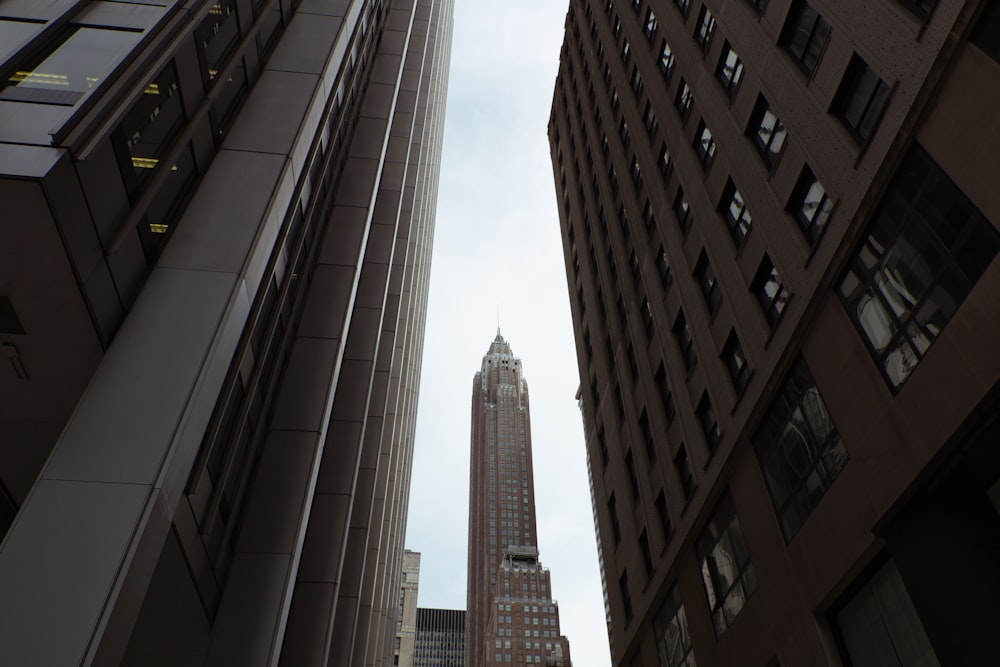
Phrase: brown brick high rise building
[780,230]
[511,617]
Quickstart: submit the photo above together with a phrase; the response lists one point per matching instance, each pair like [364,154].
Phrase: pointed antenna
[498,321]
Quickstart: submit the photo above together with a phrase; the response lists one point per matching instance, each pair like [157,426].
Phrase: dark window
[683,211]
[633,365]
[649,119]
[635,82]
[683,5]
[684,341]
[587,346]
[673,640]
[232,90]
[735,213]
[626,51]
[860,99]
[616,528]
[75,63]
[663,161]
[924,250]
[647,436]
[684,98]
[804,35]
[758,5]
[623,222]
[986,33]
[148,129]
[633,478]
[663,515]
[766,131]
[708,421]
[666,397]
[666,62]
[729,71]
[168,204]
[633,265]
[647,552]
[647,317]
[799,449]
[684,473]
[623,132]
[601,441]
[921,8]
[663,267]
[770,292]
[649,25]
[811,205]
[635,173]
[704,145]
[736,362]
[726,570]
[705,28]
[217,36]
[10,323]
[878,624]
[619,403]
[648,218]
[708,283]
[626,597]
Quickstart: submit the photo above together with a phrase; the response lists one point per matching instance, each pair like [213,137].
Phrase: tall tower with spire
[512,618]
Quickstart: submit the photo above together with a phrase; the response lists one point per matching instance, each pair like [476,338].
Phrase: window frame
[778,133]
[771,306]
[799,15]
[704,145]
[722,526]
[730,84]
[857,76]
[739,224]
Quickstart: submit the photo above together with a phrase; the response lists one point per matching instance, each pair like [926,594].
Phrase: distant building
[215,250]
[440,639]
[512,617]
[406,626]
[780,224]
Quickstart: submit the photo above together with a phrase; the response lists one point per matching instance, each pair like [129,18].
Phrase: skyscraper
[780,230]
[406,626]
[214,261]
[511,616]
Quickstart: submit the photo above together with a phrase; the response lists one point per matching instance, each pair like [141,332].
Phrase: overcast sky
[497,247]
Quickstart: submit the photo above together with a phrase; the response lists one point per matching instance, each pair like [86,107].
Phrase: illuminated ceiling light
[152,89]
[144,162]
[158,228]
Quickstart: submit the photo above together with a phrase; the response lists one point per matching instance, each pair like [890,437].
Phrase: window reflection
[77,65]
[167,205]
[726,570]
[217,36]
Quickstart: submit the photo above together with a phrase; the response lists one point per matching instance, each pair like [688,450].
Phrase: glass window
[13,34]
[811,205]
[804,35]
[666,62]
[684,341]
[925,248]
[735,213]
[649,119]
[799,449]
[879,627]
[633,478]
[705,28]
[860,99]
[663,515]
[232,92]
[77,64]
[647,436]
[683,211]
[663,266]
[148,129]
[647,317]
[666,397]
[708,421]
[167,205]
[626,596]
[770,291]
[986,33]
[649,25]
[684,98]
[683,6]
[726,570]
[616,528]
[729,71]
[217,37]
[704,145]
[767,131]
[682,465]
[663,160]
[708,283]
[673,640]
[736,362]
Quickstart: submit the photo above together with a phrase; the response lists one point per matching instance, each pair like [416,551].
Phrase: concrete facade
[787,401]
[214,284]
[511,615]
[406,626]
[440,638]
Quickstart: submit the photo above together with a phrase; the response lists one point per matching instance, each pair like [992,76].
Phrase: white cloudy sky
[497,246]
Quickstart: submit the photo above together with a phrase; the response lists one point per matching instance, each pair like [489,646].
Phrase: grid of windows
[860,99]
[800,451]
[924,250]
[804,35]
[726,570]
